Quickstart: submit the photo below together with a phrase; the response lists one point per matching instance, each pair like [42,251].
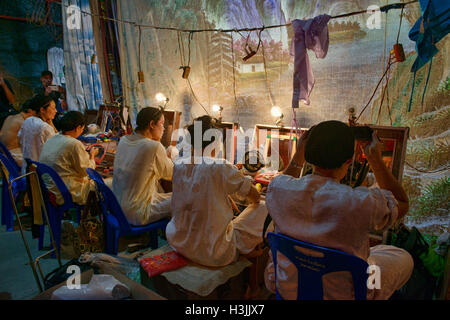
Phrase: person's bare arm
[384,177]
[8,93]
[295,165]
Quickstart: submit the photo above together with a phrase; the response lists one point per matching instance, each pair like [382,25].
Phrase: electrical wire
[384,8]
[269,93]
[400,24]
[370,100]
[195,97]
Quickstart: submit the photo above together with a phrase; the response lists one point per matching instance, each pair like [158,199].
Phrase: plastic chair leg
[41,237]
[7,210]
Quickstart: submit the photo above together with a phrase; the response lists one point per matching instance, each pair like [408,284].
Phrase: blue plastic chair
[17,187]
[55,213]
[312,269]
[8,155]
[115,220]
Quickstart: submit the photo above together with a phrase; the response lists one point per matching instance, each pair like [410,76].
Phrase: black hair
[38,102]
[146,115]
[26,106]
[46,73]
[329,144]
[207,123]
[71,120]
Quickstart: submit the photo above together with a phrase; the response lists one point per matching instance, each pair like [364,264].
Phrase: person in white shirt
[10,130]
[319,210]
[36,130]
[140,162]
[203,227]
[69,158]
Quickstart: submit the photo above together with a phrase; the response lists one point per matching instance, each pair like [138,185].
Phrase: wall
[24,45]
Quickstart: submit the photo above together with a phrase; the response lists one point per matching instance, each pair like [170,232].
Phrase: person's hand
[300,150]
[93,152]
[47,91]
[373,149]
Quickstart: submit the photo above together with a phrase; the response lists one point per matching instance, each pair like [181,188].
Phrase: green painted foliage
[434,200]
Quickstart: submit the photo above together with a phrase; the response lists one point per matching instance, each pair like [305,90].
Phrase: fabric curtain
[84,89]
[55,61]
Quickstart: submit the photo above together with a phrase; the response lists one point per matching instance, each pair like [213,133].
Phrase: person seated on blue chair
[65,154]
[140,162]
[36,130]
[319,210]
[203,227]
[10,130]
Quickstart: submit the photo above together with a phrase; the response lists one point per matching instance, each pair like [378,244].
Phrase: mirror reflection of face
[157,130]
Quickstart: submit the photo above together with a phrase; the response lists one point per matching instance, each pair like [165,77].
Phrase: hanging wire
[139,48]
[269,93]
[400,24]
[370,100]
[383,9]
[234,76]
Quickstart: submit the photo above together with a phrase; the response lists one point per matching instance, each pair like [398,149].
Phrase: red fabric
[162,263]
[52,198]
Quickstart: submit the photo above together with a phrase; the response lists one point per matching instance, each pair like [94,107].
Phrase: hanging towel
[308,34]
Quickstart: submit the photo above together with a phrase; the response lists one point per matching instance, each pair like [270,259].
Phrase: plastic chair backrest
[12,171]
[65,193]
[108,201]
[312,267]
[94,175]
[15,168]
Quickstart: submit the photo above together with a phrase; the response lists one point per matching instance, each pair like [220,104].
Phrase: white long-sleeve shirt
[69,158]
[201,227]
[138,167]
[320,211]
[32,136]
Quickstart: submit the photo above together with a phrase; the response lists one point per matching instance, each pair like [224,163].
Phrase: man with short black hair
[48,89]
[69,158]
[318,209]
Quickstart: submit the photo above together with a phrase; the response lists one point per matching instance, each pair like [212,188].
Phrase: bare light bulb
[160,97]
[276,111]
[216,108]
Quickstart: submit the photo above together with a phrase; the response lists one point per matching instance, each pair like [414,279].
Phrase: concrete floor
[16,274]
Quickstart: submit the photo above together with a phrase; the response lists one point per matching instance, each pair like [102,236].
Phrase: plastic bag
[101,287]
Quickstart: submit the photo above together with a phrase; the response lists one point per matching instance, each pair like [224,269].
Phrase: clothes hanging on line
[310,34]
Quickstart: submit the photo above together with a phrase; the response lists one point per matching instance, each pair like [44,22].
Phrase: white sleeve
[384,209]
[234,180]
[163,164]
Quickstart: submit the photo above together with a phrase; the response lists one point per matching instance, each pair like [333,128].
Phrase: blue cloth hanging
[429,29]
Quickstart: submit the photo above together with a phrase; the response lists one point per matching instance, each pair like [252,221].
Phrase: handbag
[422,284]
[89,235]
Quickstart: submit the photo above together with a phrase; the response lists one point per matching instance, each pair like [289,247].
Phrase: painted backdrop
[346,78]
